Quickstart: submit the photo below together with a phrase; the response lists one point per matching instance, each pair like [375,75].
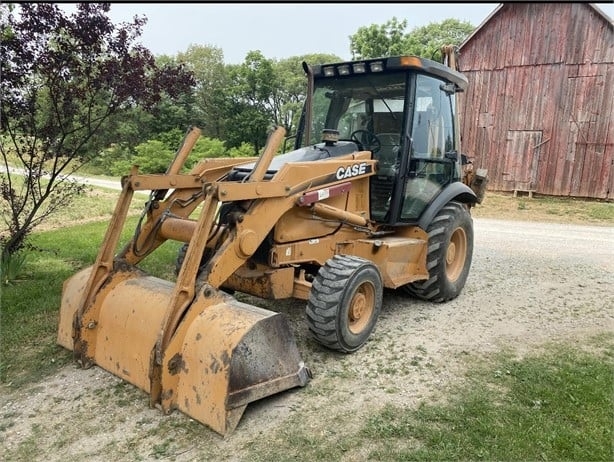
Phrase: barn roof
[496,11]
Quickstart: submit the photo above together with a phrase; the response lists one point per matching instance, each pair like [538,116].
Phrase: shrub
[11,265]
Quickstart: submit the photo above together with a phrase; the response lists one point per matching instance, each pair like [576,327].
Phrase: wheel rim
[361,308]
[456,254]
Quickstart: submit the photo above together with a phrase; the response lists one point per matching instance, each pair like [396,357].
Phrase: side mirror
[448,88]
[452,155]
[288,138]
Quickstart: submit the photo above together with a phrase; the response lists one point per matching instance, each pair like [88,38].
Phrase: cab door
[433,162]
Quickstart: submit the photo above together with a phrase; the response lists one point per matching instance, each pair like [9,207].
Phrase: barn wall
[538,113]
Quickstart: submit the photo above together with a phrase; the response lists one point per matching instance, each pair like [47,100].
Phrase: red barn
[538,113]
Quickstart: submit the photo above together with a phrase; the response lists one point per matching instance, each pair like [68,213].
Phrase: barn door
[589,155]
[521,160]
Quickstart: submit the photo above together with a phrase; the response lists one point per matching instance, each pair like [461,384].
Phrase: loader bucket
[223,355]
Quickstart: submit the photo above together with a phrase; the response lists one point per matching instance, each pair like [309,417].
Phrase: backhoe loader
[374,195]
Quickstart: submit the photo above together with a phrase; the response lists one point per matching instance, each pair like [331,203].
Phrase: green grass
[11,266]
[30,306]
[601,211]
[552,406]
[546,209]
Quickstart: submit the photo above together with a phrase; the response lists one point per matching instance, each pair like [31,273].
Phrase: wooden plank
[547,29]
[605,98]
[607,122]
[509,40]
[609,159]
[561,17]
[498,54]
[536,38]
[549,111]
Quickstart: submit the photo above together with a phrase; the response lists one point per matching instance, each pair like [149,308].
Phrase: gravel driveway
[530,283]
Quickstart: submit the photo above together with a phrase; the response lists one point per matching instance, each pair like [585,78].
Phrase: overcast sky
[281,30]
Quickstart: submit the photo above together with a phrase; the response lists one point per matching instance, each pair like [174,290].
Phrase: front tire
[450,251]
[344,303]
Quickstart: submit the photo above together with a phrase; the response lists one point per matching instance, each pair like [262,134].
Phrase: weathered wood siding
[539,110]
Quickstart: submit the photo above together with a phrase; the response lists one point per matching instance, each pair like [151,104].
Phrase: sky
[281,30]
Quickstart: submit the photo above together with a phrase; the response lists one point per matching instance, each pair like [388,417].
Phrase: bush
[11,265]
[245,150]
[153,156]
[105,161]
[207,148]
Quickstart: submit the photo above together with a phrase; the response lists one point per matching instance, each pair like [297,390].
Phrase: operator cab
[402,110]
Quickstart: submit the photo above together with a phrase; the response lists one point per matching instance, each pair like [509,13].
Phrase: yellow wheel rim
[361,308]
[456,254]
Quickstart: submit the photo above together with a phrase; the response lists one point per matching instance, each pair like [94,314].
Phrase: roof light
[376,66]
[359,68]
[409,61]
[343,70]
[329,71]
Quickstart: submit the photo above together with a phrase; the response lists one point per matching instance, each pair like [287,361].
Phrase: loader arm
[184,290]
[102,268]
[277,196]
[187,195]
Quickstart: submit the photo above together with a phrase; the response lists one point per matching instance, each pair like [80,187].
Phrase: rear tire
[450,250]
[344,303]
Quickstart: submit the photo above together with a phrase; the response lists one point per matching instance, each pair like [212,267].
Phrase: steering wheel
[372,142]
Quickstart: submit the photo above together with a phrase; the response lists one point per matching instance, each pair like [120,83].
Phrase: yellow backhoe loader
[374,195]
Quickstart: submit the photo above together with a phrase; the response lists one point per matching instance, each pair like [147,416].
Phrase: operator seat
[382,183]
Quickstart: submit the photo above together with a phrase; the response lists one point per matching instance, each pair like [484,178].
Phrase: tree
[137,124]
[207,64]
[390,39]
[293,87]
[155,155]
[377,41]
[249,100]
[262,93]
[64,79]
[427,40]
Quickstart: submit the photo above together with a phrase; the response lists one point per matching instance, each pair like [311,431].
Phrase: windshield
[372,102]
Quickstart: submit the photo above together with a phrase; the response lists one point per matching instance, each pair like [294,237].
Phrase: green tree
[207,64]
[390,39]
[137,124]
[155,155]
[377,41]
[263,93]
[426,41]
[249,100]
[64,79]
[293,86]
[152,156]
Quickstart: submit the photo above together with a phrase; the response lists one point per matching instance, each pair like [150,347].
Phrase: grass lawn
[555,405]
[30,306]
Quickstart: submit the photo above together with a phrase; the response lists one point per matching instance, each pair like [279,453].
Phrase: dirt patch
[530,283]
[95,204]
